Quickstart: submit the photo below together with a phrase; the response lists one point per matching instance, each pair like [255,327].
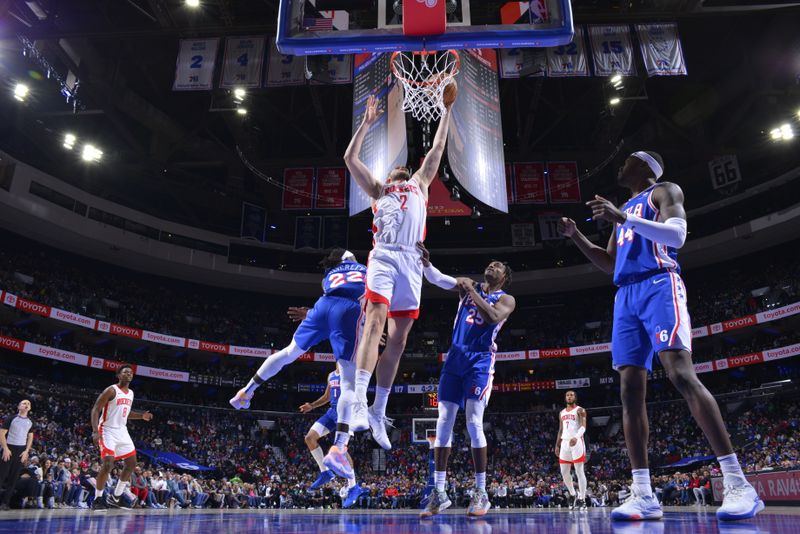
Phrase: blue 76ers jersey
[637,256]
[335,390]
[348,280]
[470,328]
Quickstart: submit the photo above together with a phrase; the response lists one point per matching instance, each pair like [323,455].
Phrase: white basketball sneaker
[739,502]
[358,420]
[241,401]
[377,423]
[637,508]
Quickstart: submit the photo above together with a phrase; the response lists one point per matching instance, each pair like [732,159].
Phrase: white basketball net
[424,76]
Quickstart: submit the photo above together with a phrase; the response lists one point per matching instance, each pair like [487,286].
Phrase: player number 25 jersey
[636,255]
[399,215]
[347,280]
[569,423]
[471,329]
[116,411]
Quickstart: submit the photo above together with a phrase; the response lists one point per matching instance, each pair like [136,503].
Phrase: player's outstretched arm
[322,401]
[432,274]
[358,170]
[603,259]
[430,165]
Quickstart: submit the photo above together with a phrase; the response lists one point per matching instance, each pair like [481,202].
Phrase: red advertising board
[331,184]
[562,182]
[299,188]
[440,205]
[529,182]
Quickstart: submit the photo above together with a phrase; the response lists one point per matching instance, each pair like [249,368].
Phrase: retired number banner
[661,49]
[194,69]
[284,70]
[569,59]
[611,50]
[244,58]
[298,188]
[340,71]
[331,182]
[529,183]
[522,62]
[562,182]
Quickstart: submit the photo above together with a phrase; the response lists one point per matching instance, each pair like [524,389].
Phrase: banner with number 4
[244,58]
[194,69]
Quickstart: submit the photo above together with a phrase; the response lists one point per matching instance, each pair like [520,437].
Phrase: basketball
[450,93]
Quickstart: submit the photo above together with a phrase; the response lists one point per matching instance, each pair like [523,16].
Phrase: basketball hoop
[424,76]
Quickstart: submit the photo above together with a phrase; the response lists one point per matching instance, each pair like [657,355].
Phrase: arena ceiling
[173,154]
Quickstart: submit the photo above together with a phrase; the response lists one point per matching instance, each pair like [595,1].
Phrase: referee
[16,438]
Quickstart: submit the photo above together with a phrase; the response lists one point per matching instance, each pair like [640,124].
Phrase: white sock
[318,456]
[439,478]
[480,481]
[98,493]
[362,383]
[341,440]
[119,488]
[381,399]
[641,482]
[351,482]
[731,470]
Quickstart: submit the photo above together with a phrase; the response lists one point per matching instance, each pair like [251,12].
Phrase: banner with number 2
[194,70]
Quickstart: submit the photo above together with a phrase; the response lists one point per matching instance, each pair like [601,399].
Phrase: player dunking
[394,275]
[338,317]
[571,448]
[322,427]
[110,415]
[650,317]
[468,372]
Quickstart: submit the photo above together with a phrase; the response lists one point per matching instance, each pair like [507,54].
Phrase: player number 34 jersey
[115,414]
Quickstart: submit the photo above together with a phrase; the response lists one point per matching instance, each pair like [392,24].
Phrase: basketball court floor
[775,520]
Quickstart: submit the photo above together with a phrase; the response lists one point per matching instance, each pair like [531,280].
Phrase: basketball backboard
[313,27]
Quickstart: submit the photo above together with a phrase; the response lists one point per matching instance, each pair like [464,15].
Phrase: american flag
[318,25]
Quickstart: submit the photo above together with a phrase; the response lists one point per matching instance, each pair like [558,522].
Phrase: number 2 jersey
[638,257]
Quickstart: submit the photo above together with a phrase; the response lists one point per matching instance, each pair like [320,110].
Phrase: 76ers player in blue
[650,318]
[338,317]
[468,372]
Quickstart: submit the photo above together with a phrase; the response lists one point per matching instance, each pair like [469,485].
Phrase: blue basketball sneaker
[352,495]
[323,478]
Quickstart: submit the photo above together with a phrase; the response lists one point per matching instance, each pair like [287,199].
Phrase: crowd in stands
[254,465]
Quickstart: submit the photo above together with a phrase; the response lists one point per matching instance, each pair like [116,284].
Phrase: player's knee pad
[475,423]
[445,423]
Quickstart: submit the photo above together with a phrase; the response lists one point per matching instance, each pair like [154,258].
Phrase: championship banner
[254,222]
[339,71]
[661,49]
[522,63]
[385,146]
[307,232]
[194,69]
[244,59]
[283,70]
[298,188]
[562,182]
[570,59]
[529,183]
[334,232]
[611,50]
[331,183]
[475,140]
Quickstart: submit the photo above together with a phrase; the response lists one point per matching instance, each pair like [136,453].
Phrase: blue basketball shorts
[334,318]
[466,375]
[326,422]
[650,316]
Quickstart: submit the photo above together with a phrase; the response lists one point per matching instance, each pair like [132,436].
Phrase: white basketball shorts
[116,442]
[394,278]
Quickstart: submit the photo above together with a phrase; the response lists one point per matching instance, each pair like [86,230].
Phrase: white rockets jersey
[569,422]
[116,411]
[399,215]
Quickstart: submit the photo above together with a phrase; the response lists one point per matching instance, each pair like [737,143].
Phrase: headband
[651,162]
[347,254]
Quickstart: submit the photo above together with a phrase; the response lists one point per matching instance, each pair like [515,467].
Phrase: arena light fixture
[241,111]
[69,141]
[776,134]
[21,91]
[91,153]
[617,78]
[193,3]
[787,132]
[239,93]
[614,101]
